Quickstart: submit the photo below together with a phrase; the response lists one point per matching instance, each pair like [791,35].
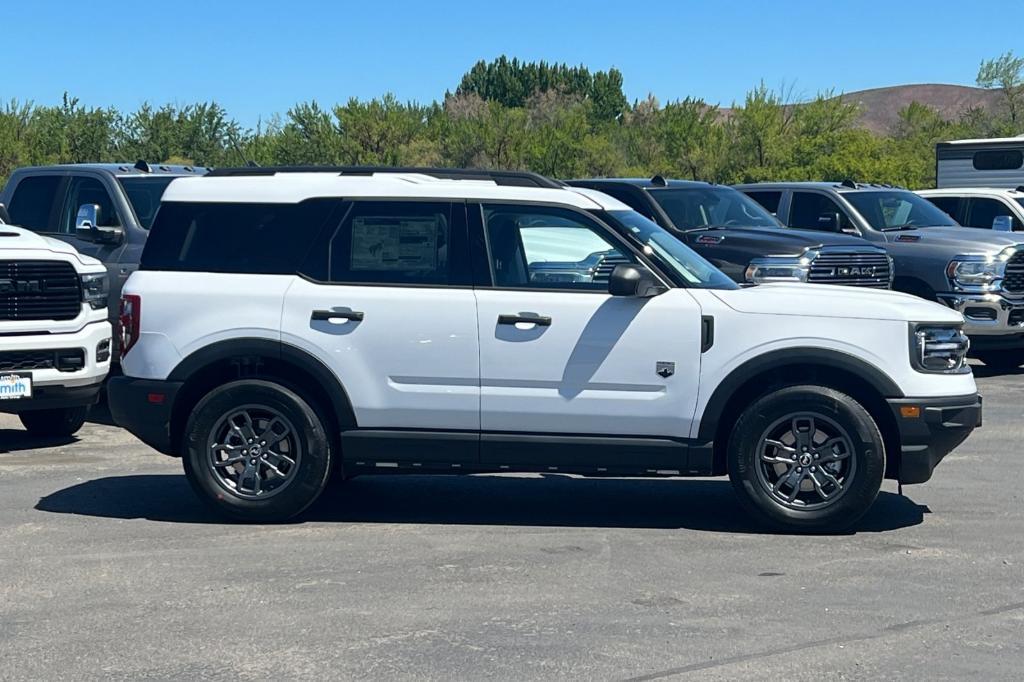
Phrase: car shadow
[545,501]
[14,440]
[986,372]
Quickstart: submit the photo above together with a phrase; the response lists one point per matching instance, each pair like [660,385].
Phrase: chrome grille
[1013,280]
[851,268]
[39,290]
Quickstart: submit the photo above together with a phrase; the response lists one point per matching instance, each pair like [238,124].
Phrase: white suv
[989,208]
[54,334]
[284,326]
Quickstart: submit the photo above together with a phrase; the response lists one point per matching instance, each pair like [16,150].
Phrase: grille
[603,271]
[851,268]
[65,360]
[39,290]
[1013,281]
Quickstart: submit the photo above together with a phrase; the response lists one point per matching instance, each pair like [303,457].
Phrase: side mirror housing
[1003,223]
[634,281]
[87,226]
[829,222]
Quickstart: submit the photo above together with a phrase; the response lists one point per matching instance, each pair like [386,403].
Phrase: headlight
[979,273]
[939,349]
[94,290]
[780,268]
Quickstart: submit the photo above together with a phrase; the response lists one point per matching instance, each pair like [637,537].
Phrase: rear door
[561,357]
[386,301]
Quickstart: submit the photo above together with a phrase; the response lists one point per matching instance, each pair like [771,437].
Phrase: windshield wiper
[709,227]
[898,228]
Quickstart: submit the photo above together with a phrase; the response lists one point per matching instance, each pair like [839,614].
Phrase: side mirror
[1003,223]
[829,222]
[634,281]
[87,226]
[5,217]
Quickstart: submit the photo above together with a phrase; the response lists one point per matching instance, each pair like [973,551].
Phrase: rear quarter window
[236,238]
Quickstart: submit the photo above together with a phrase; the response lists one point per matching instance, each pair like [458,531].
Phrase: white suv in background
[989,208]
[284,326]
[54,335]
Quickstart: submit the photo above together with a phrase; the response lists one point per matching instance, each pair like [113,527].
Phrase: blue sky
[257,58]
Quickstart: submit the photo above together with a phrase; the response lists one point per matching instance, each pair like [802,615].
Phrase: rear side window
[770,200]
[998,159]
[34,202]
[236,238]
[948,205]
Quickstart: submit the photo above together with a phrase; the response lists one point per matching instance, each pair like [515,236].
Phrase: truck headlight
[780,269]
[979,273]
[939,349]
[94,290]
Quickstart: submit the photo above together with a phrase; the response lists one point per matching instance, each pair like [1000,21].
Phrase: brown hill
[880,107]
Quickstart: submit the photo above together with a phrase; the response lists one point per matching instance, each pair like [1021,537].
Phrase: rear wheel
[1005,360]
[808,458]
[65,421]
[256,451]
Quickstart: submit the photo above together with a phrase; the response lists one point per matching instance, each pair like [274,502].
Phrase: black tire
[1003,360]
[65,421]
[310,449]
[860,471]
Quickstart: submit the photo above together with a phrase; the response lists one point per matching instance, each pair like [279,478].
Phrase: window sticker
[394,243]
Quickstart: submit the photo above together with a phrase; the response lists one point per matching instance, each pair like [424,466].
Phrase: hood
[13,238]
[814,300]
[787,241]
[966,240]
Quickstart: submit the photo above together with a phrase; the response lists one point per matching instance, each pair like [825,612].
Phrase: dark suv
[104,210]
[743,239]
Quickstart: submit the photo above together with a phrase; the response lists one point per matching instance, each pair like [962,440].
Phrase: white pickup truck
[54,334]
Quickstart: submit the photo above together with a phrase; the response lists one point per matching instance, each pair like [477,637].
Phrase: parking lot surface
[110,567]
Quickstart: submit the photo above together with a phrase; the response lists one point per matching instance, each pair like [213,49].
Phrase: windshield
[895,209]
[144,196]
[689,268]
[708,206]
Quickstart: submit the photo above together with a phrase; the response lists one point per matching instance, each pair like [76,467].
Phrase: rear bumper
[144,408]
[941,425]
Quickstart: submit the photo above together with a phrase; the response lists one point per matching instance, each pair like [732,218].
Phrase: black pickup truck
[743,239]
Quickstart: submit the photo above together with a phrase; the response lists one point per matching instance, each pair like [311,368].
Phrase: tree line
[555,119]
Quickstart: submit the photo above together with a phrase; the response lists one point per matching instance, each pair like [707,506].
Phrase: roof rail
[499,177]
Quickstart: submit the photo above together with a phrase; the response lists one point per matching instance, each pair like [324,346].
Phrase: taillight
[128,321]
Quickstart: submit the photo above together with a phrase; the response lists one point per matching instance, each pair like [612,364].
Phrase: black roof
[499,177]
[657,182]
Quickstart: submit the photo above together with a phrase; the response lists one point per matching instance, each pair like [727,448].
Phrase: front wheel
[806,458]
[256,451]
[64,421]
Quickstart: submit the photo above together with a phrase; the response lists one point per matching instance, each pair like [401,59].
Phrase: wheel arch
[254,358]
[794,366]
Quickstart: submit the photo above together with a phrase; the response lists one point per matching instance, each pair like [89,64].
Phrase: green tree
[1006,72]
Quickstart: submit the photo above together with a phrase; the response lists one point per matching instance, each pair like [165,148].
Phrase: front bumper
[53,388]
[940,426]
[144,407]
[988,315]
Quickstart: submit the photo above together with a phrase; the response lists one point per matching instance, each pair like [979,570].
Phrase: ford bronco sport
[287,326]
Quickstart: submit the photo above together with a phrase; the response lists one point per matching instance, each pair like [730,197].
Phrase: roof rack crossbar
[499,177]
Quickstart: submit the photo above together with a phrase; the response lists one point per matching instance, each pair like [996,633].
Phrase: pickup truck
[103,210]
[976,272]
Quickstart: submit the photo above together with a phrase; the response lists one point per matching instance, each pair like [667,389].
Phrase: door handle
[328,315]
[539,320]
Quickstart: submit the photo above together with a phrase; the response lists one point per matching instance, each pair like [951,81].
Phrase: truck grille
[851,268]
[39,290]
[1013,280]
[65,360]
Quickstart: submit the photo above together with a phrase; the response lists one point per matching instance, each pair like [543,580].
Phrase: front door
[561,357]
[387,303]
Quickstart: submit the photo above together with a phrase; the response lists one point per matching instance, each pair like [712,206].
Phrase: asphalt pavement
[111,568]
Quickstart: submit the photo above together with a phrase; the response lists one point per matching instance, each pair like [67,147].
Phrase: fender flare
[341,405]
[778,359]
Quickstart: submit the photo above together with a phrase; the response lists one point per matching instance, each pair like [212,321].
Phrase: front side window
[701,207]
[984,212]
[32,205]
[399,243]
[85,190]
[549,248]
[236,238]
[770,200]
[897,209]
[948,205]
[816,211]
[144,195]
